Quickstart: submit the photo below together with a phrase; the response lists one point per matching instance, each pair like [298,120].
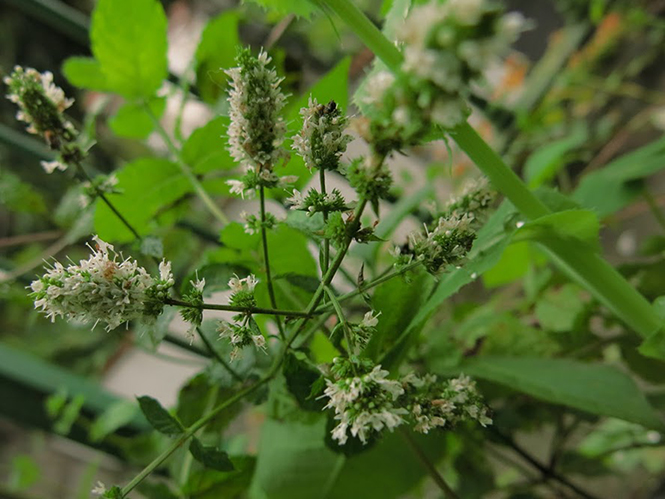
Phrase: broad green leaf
[559,309]
[158,417]
[301,8]
[333,86]
[129,41]
[612,187]
[133,121]
[24,473]
[85,72]
[206,148]
[210,457]
[147,185]
[116,416]
[194,400]
[576,226]
[300,376]
[513,264]
[215,53]
[599,389]
[546,161]
[209,484]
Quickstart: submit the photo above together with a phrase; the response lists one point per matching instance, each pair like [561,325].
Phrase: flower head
[322,139]
[256,131]
[102,289]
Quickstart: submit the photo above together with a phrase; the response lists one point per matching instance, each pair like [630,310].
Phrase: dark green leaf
[595,388]
[158,417]
[300,378]
[210,457]
[129,41]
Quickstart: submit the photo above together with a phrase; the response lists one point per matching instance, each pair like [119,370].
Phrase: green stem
[233,308]
[427,464]
[653,206]
[326,242]
[266,259]
[581,264]
[342,319]
[186,170]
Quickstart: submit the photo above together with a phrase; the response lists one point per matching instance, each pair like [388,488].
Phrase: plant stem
[342,320]
[233,308]
[427,464]
[266,259]
[218,357]
[369,285]
[326,241]
[186,170]
[653,206]
[189,432]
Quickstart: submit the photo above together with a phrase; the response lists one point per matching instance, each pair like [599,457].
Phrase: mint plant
[350,373]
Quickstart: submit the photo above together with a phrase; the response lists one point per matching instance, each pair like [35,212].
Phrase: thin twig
[233,308]
[266,260]
[218,357]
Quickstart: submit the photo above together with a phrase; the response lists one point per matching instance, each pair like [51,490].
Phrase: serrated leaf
[85,72]
[211,61]
[133,121]
[147,185]
[300,379]
[210,457]
[599,389]
[158,417]
[129,41]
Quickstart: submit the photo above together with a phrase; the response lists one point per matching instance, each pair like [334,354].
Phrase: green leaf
[546,161]
[215,53]
[25,472]
[300,377]
[158,417]
[133,121]
[194,401]
[206,148]
[609,189]
[595,388]
[576,226]
[147,185]
[85,72]
[513,264]
[116,416]
[559,310]
[210,484]
[301,8]
[129,41]
[210,457]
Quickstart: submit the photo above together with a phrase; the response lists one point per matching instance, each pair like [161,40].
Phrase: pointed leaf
[159,418]
[210,457]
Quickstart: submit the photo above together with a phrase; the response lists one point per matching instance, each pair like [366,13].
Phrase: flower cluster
[369,181]
[447,244]
[41,105]
[316,201]
[257,130]
[364,401]
[434,404]
[243,331]
[253,223]
[102,289]
[322,139]
[446,47]
[363,331]
[475,200]
[194,314]
[101,183]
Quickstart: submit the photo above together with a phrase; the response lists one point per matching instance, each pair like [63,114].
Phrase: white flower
[259,341]
[297,200]
[198,284]
[370,320]
[51,166]
[101,288]
[237,187]
[246,284]
[99,489]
